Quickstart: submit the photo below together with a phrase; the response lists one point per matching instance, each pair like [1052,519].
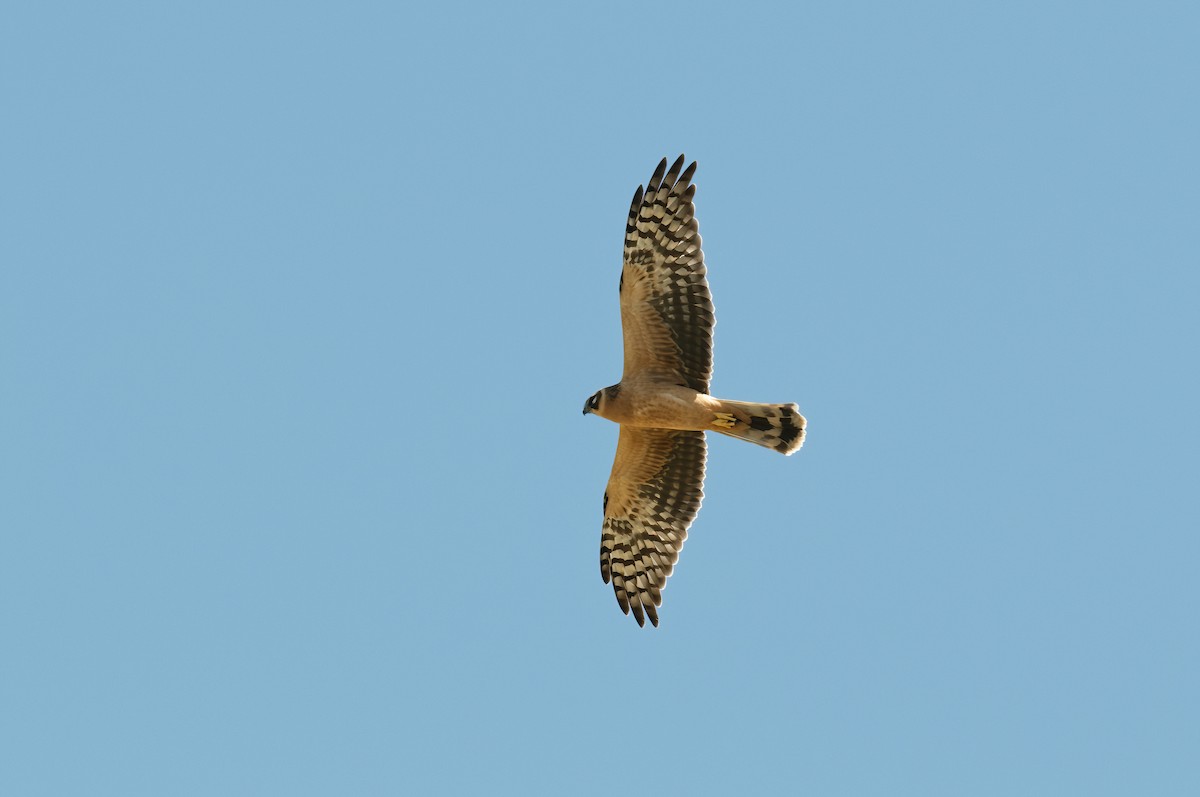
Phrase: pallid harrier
[662,401]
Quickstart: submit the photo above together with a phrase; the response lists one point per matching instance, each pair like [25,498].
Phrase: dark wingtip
[656,179]
[688,173]
[634,206]
[673,174]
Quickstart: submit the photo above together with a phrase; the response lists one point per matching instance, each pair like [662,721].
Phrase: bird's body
[662,401]
[651,404]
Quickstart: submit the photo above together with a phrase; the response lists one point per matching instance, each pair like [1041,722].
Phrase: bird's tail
[777,426]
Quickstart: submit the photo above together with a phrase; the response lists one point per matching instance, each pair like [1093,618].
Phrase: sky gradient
[301,302]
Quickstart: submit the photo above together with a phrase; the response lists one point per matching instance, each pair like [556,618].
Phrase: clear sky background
[300,304]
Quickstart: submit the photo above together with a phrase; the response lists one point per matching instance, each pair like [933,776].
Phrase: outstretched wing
[666,309]
[653,495]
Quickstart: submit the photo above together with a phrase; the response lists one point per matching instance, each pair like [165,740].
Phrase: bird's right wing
[653,495]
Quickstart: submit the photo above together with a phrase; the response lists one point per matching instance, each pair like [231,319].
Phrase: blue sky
[301,302]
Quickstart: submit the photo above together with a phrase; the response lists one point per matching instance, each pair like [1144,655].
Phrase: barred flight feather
[664,270]
[647,514]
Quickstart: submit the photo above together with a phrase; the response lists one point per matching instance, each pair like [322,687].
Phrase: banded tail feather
[777,426]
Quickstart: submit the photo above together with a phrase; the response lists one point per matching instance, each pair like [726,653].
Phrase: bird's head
[600,402]
[593,403]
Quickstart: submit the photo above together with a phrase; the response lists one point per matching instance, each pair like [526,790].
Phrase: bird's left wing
[666,309]
[653,495]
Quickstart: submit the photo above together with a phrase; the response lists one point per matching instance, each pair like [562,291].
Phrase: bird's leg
[725,420]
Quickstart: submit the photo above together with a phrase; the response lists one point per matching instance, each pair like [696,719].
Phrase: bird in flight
[662,401]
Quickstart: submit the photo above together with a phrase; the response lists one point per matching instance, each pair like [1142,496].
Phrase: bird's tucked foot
[725,420]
